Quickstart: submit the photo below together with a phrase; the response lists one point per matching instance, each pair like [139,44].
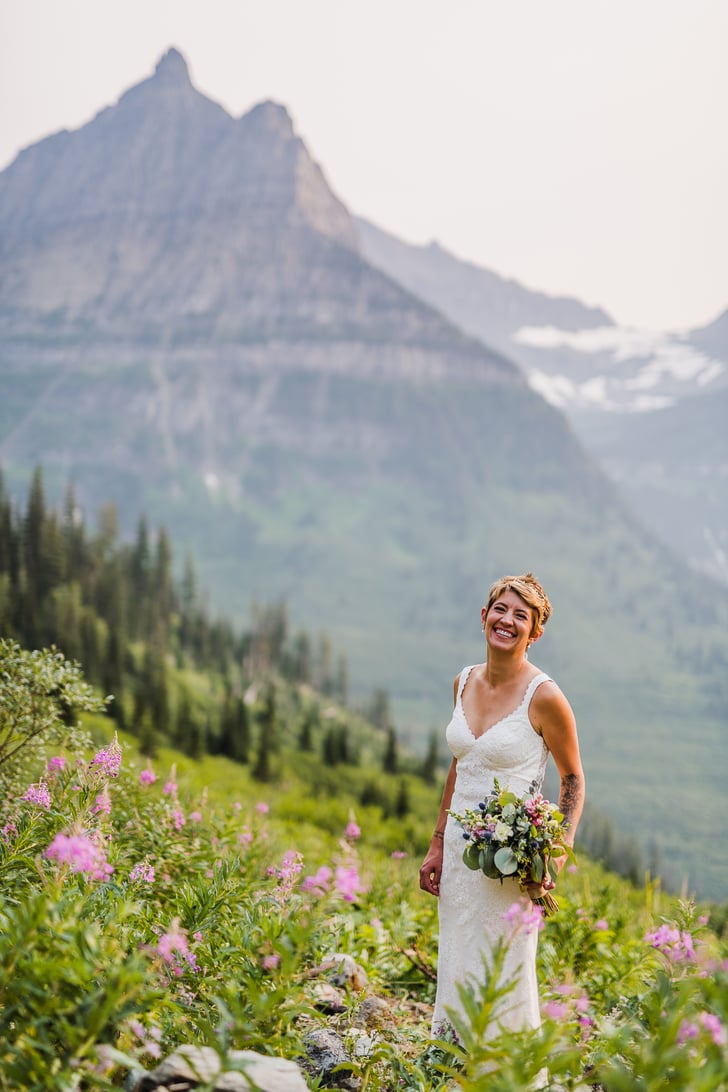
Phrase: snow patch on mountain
[631,370]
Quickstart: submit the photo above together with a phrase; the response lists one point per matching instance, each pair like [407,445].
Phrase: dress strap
[463,679]
[534,683]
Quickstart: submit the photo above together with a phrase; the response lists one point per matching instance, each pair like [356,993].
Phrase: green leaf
[488,866]
[471,857]
[505,861]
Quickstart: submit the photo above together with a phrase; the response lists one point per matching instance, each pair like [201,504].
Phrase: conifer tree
[140,576]
[330,747]
[377,710]
[429,764]
[301,658]
[402,805]
[184,730]
[235,730]
[33,558]
[323,678]
[342,680]
[162,585]
[390,763]
[305,735]
[75,558]
[262,767]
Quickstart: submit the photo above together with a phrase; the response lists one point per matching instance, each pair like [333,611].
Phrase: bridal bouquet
[509,835]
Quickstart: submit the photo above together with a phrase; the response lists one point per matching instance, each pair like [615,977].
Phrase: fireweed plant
[139,912]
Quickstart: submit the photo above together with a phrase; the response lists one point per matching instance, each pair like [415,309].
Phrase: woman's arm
[553,719]
[432,865]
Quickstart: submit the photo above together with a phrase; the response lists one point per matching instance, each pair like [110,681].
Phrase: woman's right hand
[431,869]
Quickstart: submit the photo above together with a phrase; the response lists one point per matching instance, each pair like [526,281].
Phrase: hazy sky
[577,145]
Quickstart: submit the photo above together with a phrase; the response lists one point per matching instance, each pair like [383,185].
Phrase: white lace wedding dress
[471,906]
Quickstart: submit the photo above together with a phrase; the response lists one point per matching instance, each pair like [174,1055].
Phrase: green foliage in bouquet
[510,835]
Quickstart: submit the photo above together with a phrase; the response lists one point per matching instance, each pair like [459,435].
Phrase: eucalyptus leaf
[470,857]
[505,861]
[488,866]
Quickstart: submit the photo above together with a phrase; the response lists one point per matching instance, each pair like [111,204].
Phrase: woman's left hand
[538,890]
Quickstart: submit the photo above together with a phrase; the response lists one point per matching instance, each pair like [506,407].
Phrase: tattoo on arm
[571,799]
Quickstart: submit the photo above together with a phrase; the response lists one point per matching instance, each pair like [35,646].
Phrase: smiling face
[510,624]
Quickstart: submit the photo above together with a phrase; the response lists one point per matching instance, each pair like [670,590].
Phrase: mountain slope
[202,339]
[672,466]
[481,302]
[601,376]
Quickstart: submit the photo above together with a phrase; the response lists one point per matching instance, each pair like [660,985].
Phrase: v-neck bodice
[510,749]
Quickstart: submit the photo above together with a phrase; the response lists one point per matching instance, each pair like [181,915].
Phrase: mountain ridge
[617,386]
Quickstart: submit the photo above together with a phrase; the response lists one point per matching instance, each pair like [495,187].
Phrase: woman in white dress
[508,718]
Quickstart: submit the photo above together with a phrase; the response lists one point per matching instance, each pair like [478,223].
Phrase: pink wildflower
[245,837]
[170,785]
[555,1010]
[81,854]
[195,816]
[676,944]
[399,854]
[147,776]
[289,868]
[173,947]
[142,871]
[687,1031]
[237,807]
[347,882]
[262,808]
[352,831]
[56,764]
[270,962]
[38,794]
[524,915]
[319,883]
[602,924]
[9,831]
[107,761]
[714,1027]
[178,818]
[103,803]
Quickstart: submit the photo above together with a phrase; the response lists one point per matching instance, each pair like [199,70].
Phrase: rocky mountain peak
[270,119]
[172,68]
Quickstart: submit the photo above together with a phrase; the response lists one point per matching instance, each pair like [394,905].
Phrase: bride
[508,718]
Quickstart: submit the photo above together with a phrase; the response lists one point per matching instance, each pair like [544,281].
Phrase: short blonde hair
[529,589]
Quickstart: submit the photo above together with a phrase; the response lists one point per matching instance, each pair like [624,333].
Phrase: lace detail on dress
[471,906]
